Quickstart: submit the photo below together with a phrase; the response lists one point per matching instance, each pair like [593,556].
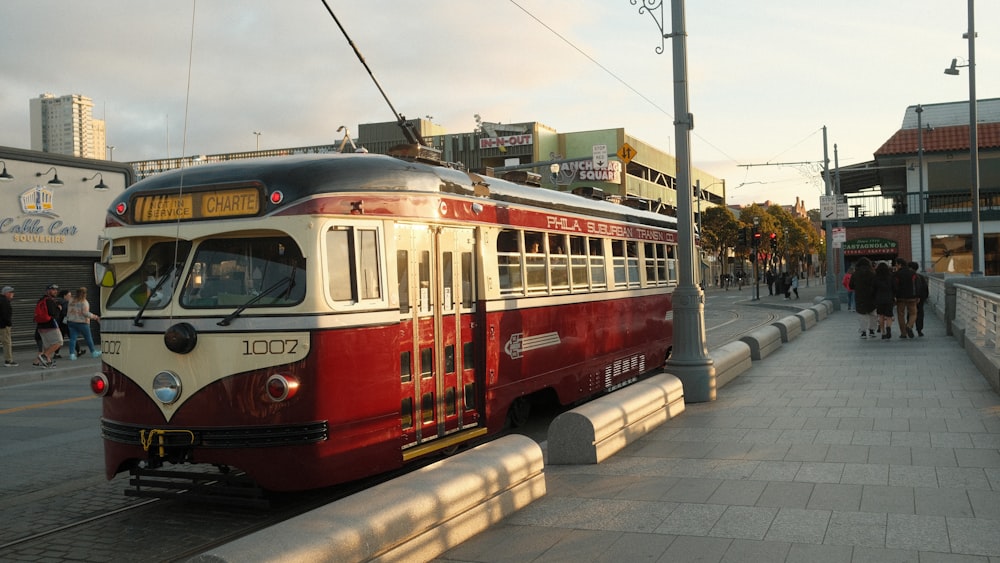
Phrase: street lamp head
[55,181]
[5,176]
[953,69]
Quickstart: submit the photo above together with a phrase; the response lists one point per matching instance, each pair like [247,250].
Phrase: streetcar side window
[534,262]
[578,263]
[632,254]
[447,280]
[354,271]
[509,261]
[595,253]
[649,259]
[672,263]
[340,255]
[368,267]
[618,263]
[403,277]
[558,263]
[468,281]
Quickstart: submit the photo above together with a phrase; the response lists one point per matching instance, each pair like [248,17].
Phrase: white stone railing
[979,312]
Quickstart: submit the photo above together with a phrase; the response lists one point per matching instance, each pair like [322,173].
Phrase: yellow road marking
[48,404]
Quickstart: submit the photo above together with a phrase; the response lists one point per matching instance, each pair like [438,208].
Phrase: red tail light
[99,384]
[281,387]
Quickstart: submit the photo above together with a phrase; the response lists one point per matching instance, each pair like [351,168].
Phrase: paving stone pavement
[832,449]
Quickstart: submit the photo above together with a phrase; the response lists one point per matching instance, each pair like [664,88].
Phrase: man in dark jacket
[863,284]
[904,284]
[6,322]
[923,292]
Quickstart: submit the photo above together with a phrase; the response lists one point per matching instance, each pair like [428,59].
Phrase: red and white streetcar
[312,320]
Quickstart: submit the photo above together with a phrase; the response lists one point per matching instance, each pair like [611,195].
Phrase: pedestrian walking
[846,282]
[863,284]
[6,324]
[795,284]
[923,293]
[63,298]
[884,299]
[47,322]
[905,287]
[78,317]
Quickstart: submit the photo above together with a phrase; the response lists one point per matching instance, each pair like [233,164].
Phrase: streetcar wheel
[518,413]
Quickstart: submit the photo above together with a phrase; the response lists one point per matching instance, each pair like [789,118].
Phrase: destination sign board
[238,202]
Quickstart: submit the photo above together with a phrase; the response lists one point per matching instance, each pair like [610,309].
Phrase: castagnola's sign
[870,246]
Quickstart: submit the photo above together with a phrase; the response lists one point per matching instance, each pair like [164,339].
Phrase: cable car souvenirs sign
[237,202]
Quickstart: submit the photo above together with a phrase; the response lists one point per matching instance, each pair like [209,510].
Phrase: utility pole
[831,285]
[689,361]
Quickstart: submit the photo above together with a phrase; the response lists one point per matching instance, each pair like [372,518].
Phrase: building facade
[52,212]
[914,200]
[66,125]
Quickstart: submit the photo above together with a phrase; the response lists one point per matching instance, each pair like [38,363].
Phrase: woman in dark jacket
[863,284]
[884,299]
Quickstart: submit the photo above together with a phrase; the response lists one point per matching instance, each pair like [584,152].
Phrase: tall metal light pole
[689,361]
[831,283]
[258,134]
[920,179]
[977,233]
[756,258]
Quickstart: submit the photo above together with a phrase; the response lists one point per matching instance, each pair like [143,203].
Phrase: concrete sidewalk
[831,449]
[25,372]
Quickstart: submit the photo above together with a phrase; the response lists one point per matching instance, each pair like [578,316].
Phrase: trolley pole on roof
[689,361]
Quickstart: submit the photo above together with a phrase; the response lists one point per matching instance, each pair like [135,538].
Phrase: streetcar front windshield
[232,272]
[152,285]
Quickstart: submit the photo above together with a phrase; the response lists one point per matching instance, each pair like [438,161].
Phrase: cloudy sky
[764,76]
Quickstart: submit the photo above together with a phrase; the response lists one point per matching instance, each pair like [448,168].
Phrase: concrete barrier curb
[821,311]
[415,517]
[763,341]
[824,303]
[730,361]
[807,318]
[596,430]
[789,327]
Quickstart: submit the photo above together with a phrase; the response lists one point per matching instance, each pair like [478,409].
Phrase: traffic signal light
[774,241]
[741,237]
[756,239]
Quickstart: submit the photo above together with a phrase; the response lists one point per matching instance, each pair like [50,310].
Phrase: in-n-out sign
[600,156]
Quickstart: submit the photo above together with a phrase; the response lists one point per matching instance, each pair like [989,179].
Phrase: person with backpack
[47,322]
[904,285]
[923,293]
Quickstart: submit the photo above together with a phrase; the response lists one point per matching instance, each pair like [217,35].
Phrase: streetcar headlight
[167,387]
[99,384]
[281,387]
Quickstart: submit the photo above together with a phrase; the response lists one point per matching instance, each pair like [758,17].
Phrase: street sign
[827,207]
[626,153]
[839,236]
[842,211]
[600,157]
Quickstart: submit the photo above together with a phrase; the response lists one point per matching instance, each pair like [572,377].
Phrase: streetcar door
[436,275]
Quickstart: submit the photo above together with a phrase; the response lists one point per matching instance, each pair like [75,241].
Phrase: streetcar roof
[301,176]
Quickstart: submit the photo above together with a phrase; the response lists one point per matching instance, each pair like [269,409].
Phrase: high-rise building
[65,125]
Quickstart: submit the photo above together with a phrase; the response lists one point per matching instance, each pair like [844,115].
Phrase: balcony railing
[875,205]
